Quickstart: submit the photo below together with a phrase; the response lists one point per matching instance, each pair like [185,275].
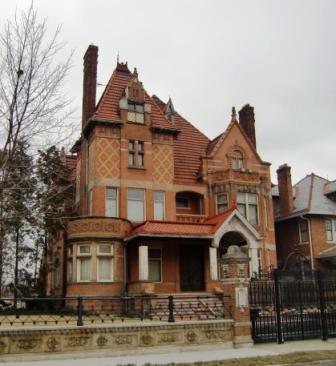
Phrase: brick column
[235,266]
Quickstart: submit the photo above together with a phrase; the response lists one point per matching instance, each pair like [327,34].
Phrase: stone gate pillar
[235,277]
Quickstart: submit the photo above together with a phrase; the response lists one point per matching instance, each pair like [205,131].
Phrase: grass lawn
[289,358]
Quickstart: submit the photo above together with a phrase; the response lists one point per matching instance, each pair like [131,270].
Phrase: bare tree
[34,107]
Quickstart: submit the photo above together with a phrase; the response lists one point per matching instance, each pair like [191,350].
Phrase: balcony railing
[190,218]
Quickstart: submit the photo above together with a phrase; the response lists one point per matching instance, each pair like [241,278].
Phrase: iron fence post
[324,328]
[278,306]
[80,311]
[171,309]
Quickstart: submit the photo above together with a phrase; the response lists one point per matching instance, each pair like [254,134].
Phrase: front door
[192,268]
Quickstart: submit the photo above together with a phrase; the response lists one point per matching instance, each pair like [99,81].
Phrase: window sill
[136,167]
[136,123]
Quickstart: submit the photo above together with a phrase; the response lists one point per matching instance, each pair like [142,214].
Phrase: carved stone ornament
[77,341]
[168,338]
[225,270]
[147,339]
[191,337]
[3,346]
[123,339]
[241,270]
[27,343]
[53,344]
[101,341]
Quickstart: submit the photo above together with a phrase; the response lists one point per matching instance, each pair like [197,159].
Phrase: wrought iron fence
[293,305]
[109,309]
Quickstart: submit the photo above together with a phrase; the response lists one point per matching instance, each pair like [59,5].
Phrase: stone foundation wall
[115,338]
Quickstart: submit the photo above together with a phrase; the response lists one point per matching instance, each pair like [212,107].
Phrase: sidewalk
[204,353]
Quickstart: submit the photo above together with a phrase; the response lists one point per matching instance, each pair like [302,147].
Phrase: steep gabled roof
[215,144]
[189,146]
[107,109]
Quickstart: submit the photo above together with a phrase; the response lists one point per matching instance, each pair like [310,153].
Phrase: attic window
[136,113]
[237,161]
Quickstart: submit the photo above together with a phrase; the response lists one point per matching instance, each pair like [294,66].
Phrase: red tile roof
[108,106]
[189,146]
[173,228]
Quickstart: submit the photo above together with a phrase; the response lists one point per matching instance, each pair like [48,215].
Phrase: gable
[231,140]
[237,222]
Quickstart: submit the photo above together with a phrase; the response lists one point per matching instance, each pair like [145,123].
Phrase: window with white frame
[154,265]
[136,113]
[104,262]
[83,263]
[69,264]
[136,204]
[159,205]
[248,206]
[304,231]
[222,202]
[111,202]
[330,225]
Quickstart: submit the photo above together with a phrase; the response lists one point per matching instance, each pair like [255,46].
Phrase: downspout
[310,243]
[125,269]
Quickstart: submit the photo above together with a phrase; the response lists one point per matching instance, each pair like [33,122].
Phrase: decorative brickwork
[97,227]
[163,163]
[108,158]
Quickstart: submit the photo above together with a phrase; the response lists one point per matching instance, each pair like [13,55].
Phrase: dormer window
[136,112]
[237,162]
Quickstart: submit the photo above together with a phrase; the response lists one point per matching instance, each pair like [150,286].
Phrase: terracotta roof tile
[108,106]
[206,228]
[189,146]
[173,228]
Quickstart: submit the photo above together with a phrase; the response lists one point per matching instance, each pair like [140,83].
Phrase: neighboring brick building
[305,221]
[158,202]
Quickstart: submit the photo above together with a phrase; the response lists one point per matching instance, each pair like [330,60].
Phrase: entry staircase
[189,307]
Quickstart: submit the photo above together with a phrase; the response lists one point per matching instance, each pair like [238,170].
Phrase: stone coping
[90,328]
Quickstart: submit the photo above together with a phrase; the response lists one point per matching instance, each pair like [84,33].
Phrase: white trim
[242,226]
[213,262]
[143,263]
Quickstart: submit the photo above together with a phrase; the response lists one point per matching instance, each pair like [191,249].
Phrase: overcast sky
[278,56]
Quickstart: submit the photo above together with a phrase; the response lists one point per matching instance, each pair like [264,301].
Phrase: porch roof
[205,229]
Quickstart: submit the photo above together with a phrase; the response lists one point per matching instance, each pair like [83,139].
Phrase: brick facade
[210,194]
[304,214]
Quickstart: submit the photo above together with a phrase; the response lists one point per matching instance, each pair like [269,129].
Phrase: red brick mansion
[158,202]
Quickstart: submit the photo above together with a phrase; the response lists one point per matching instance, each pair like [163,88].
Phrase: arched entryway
[239,239]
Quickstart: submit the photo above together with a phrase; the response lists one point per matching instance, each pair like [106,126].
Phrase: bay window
[104,262]
[248,206]
[83,263]
[222,202]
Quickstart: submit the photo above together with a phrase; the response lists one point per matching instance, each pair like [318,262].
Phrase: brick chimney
[285,189]
[89,83]
[246,121]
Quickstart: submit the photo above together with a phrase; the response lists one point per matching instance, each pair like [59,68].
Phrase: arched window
[237,161]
